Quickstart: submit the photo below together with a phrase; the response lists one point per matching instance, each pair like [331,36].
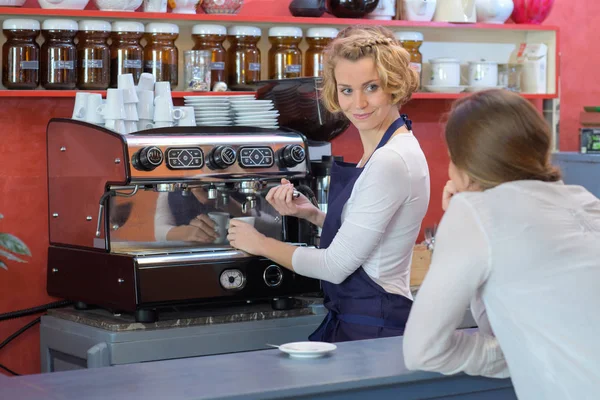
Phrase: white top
[208,29]
[322,32]
[241,30]
[162,27]
[529,250]
[94,25]
[127,26]
[411,36]
[285,31]
[60,25]
[380,221]
[17,23]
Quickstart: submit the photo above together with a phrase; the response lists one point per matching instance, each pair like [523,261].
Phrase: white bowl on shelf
[118,5]
[64,4]
[444,89]
[11,3]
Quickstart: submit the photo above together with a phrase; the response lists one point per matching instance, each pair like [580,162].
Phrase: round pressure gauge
[232,279]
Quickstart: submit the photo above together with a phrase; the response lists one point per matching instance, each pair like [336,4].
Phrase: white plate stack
[212,110]
[255,113]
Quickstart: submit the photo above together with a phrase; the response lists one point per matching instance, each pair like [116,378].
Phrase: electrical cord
[34,310]
[12,337]
[23,313]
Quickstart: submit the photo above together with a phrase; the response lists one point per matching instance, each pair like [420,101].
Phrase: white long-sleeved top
[528,250]
[380,221]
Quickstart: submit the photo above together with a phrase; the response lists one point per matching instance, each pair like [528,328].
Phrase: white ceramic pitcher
[461,11]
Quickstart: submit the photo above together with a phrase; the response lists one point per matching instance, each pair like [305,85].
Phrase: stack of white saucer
[255,113]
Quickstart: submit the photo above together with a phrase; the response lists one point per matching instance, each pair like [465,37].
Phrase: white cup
[131,113]
[162,89]
[163,109]
[145,105]
[125,83]
[160,124]
[221,220]
[248,220]
[146,82]
[155,6]
[80,104]
[144,124]
[445,72]
[117,125]
[186,117]
[131,126]
[483,74]
[418,10]
[114,108]
[94,100]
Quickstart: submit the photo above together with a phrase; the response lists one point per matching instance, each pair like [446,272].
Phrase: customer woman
[526,245]
[375,208]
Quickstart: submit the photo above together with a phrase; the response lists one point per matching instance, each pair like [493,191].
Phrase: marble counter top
[188,316]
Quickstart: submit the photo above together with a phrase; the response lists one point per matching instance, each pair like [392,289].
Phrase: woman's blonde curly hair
[391,60]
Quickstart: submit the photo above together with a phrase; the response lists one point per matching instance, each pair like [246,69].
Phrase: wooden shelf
[179,95]
[6,12]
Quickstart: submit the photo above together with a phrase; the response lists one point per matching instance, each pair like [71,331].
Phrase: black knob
[147,158]
[291,155]
[221,157]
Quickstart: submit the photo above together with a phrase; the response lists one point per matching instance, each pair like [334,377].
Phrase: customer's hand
[282,200]
[200,229]
[243,236]
[449,191]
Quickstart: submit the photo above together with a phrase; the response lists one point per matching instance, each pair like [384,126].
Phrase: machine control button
[185,158]
[232,279]
[256,157]
[147,158]
[273,275]
[222,157]
[291,155]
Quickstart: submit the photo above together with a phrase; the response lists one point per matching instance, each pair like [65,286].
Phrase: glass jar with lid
[317,39]
[285,57]
[243,55]
[210,38]
[412,41]
[161,57]
[126,52]
[59,54]
[93,55]
[21,54]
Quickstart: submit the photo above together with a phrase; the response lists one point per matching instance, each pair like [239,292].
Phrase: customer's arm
[460,266]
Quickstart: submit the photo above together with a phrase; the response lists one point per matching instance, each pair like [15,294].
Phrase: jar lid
[160,27]
[60,25]
[239,30]
[444,60]
[411,36]
[322,32]
[94,25]
[288,31]
[21,24]
[207,29]
[482,61]
[127,26]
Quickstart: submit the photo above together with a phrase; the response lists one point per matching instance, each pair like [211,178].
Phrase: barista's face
[360,95]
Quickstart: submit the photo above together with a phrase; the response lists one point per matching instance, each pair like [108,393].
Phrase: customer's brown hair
[391,60]
[497,136]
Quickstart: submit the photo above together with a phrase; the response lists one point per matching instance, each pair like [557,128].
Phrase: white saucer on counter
[444,89]
[307,349]
[480,88]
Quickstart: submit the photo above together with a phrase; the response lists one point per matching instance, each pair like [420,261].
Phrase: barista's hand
[200,229]
[243,236]
[449,191]
[281,198]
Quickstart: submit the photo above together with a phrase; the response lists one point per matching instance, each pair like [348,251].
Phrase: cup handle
[100,109]
[178,114]
[80,113]
[149,126]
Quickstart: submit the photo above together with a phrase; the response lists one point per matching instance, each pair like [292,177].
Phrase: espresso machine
[124,212]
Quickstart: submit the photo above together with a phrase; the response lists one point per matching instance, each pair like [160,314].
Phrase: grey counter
[370,369]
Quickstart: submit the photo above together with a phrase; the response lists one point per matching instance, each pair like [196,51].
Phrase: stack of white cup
[113,111]
[145,105]
[86,108]
[130,101]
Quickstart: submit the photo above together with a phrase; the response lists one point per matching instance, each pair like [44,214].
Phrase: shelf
[178,94]
[266,20]
[71,93]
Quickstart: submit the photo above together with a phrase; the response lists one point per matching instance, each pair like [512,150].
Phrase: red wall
[23,173]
